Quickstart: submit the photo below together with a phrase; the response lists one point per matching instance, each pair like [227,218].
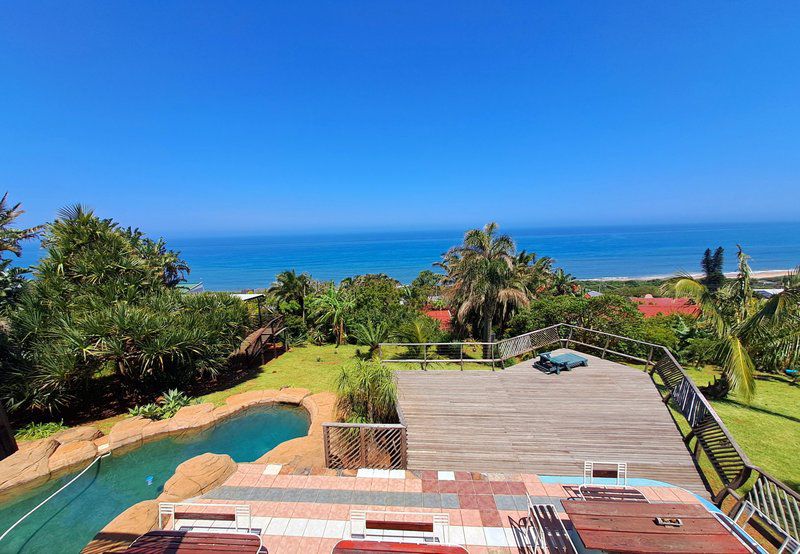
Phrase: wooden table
[631,527]
[169,542]
[381,547]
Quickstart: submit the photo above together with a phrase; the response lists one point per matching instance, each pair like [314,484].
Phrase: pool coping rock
[31,466]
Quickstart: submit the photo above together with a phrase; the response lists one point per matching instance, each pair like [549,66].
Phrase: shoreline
[762,274]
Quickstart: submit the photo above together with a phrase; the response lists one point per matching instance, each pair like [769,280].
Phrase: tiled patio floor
[310,513]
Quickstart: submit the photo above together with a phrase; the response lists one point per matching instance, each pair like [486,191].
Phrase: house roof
[443,317]
[651,306]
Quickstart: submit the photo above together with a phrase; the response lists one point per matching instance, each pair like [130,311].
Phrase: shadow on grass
[758,409]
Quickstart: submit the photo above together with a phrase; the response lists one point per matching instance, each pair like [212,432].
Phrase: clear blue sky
[236,117]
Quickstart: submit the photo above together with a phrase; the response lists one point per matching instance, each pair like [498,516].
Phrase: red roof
[650,306]
[443,317]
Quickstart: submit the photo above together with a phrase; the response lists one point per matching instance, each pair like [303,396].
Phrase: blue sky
[236,117]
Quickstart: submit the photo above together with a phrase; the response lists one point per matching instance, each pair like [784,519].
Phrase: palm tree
[291,287]
[564,283]
[482,277]
[11,238]
[744,325]
[332,307]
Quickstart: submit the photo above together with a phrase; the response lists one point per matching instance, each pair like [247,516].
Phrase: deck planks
[522,420]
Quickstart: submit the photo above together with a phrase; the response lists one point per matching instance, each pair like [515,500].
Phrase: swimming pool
[70,520]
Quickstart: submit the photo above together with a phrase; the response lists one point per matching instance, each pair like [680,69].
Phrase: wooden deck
[522,420]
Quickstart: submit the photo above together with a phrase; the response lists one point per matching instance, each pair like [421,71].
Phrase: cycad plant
[367,393]
[746,328]
[371,335]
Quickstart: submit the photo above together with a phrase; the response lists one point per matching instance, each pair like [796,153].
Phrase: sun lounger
[562,362]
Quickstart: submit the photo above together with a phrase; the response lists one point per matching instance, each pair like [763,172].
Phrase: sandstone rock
[127,432]
[196,416]
[155,430]
[197,476]
[28,465]
[83,433]
[125,528]
[72,455]
[244,399]
[292,396]
[221,413]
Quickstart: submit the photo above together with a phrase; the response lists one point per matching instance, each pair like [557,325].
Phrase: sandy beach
[764,274]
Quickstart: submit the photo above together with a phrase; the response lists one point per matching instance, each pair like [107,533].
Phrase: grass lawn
[768,429]
[309,367]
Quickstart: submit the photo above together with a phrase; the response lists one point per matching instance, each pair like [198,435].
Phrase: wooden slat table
[381,547]
[631,528]
[183,542]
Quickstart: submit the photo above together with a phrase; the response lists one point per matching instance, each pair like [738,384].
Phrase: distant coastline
[621,253]
[763,274]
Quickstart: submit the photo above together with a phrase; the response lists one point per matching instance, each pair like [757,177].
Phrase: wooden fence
[365,445]
[739,479]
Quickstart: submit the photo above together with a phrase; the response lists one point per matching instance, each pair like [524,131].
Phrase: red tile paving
[477,496]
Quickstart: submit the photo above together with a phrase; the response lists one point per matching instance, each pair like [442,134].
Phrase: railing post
[325,444]
[362,446]
[461,354]
[403,448]
[425,356]
[649,360]
[605,348]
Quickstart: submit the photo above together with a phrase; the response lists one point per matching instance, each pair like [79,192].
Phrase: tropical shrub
[103,303]
[166,407]
[367,393]
[371,335]
[34,431]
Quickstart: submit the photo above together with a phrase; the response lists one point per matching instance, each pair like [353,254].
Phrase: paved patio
[522,420]
[310,513]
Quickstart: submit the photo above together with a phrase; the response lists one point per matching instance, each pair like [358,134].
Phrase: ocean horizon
[234,263]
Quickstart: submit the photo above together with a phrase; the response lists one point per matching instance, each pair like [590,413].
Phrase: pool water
[70,520]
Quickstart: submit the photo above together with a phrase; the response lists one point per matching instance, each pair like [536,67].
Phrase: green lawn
[768,429]
[309,367]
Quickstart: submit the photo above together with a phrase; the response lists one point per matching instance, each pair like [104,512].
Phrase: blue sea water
[244,262]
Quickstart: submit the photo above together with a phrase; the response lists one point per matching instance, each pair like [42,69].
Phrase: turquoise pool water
[72,518]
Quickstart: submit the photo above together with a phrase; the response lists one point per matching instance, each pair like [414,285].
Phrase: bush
[367,393]
[167,406]
[33,431]
[103,302]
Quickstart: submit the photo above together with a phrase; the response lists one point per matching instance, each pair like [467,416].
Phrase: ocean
[246,262]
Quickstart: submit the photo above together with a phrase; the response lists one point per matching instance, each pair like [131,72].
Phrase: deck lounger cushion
[556,364]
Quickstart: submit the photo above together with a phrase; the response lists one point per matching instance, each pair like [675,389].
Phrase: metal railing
[778,502]
[365,445]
